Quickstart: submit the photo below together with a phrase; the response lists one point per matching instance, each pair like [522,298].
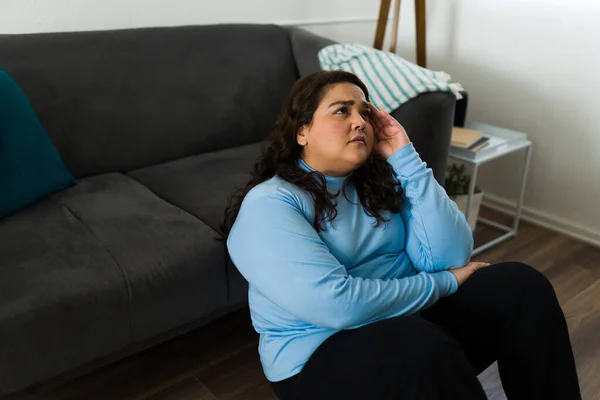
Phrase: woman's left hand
[390,135]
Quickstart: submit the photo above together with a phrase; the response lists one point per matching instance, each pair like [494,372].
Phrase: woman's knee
[525,276]
[528,287]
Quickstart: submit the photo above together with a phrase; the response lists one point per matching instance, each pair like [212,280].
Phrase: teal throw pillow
[30,166]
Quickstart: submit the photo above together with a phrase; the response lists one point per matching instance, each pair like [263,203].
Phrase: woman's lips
[360,139]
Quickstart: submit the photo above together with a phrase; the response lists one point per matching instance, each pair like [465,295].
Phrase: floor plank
[161,366]
[238,378]
[583,317]
[188,389]
[220,360]
[574,270]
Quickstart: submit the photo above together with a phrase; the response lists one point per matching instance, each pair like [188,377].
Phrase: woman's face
[340,136]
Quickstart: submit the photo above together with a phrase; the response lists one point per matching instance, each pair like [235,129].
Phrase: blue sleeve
[281,255]
[438,236]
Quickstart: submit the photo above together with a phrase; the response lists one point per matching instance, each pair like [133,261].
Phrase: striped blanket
[391,80]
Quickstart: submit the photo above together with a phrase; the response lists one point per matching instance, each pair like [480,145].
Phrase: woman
[357,263]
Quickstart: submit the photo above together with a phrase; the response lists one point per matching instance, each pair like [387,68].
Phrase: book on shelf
[497,144]
[469,139]
[480,144]
[464,137]
[493,145]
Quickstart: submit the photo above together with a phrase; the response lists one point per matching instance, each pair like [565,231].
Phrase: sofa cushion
[119,100]
[171,261]
[202,185]
[30,167]
[63,298]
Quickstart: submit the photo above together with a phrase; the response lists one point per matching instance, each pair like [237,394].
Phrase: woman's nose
[359,123]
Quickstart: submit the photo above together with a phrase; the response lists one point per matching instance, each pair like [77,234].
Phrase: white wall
[21,16]
[530,65]
[533,66]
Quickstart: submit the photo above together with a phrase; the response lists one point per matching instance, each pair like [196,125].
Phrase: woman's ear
[301,136]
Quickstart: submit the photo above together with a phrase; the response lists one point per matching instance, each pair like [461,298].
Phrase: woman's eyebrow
[347,103]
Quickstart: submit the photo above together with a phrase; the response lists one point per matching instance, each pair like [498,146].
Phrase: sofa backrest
[124,99]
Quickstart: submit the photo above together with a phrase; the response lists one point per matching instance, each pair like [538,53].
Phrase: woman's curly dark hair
[374,181]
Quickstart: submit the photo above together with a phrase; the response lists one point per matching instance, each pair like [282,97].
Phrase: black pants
[506,312]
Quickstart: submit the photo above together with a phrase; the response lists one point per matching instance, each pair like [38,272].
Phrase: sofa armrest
[428,118]
[428,121]
[305,47]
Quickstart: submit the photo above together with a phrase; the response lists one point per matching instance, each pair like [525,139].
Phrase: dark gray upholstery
[202,184]
[428,121]
[173,265]
[160,125]
[63,298]
[119,100]
[306,47]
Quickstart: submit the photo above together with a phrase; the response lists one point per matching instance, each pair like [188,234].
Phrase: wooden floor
[220,360]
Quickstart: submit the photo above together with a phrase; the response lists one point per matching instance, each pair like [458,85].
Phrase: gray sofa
[159,126]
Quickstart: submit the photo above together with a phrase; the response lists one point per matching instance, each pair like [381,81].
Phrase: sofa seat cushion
[63,298]
[172,262]
[202,184]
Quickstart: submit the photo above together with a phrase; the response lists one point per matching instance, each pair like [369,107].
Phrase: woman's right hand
[464,273]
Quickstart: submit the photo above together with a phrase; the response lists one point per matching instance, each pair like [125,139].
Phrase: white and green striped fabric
[391,80]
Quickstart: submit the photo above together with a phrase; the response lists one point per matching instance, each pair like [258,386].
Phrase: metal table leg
[474,169]
[522,190]
[510,232]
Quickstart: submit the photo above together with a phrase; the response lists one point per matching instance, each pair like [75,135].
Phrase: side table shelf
[502,142]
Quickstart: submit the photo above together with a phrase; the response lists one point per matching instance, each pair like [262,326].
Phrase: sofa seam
[219,236]
[175,205]
[129,296]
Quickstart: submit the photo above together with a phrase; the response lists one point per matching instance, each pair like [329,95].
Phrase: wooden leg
[420,21]
[384,10]
[395,23]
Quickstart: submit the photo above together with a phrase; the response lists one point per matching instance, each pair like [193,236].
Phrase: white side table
[502,142]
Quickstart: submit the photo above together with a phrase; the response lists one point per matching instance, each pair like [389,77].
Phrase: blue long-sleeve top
[305,286]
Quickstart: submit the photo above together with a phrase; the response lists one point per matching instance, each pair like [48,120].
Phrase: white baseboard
[543,219]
